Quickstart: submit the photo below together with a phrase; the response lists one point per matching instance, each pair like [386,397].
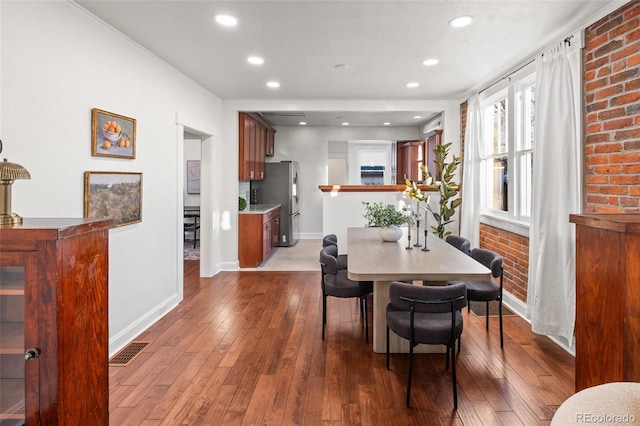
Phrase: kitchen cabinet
[255,135]
[410,156]
[257,236]
[607,299]
[54,322]
[432,139]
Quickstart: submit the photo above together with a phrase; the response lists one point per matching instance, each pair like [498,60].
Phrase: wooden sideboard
[607,298]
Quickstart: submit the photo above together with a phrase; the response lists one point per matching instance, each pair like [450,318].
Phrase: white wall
[309,146]
[58,62]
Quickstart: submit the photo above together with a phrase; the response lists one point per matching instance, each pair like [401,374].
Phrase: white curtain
[555,194]
[469,217]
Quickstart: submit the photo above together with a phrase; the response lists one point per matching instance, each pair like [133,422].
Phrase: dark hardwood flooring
[245,348]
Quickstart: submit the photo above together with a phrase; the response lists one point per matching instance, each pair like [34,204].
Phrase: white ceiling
[382,44]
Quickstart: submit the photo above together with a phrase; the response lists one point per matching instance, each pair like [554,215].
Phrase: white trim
[516,227]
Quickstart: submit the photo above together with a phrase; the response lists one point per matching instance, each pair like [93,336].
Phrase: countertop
[259,208]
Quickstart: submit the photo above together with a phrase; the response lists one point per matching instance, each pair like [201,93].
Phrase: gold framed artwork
[112,135]
[115,195]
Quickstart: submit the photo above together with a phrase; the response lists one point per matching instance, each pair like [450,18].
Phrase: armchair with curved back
[426,314]
[336,283]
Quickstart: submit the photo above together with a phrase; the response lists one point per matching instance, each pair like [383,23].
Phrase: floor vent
[127,354]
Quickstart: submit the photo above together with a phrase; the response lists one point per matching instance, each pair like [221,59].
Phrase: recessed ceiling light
[417,116]
[303,123]
[413,84]
[461,21]
[386,124]
[255,60]
[226,20]
[346,123]
[273,84]
[429,62]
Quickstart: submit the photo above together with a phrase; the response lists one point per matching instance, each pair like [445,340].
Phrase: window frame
[513,219]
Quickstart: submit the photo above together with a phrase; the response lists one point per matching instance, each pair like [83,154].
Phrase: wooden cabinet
[271,138]
[258,235]
[607,299]
[409,158]
[254,140]
[54,322]
[432,138]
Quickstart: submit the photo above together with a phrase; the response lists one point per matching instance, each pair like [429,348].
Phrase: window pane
[497,184]
[526,170]
[500,126]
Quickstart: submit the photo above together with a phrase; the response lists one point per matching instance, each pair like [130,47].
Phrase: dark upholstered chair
[335,283]
[332,240]
[426,314]
[487,291]
[460,243]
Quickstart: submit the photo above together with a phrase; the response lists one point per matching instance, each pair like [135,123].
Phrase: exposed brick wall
[463,126]
[612,102]
[514,250]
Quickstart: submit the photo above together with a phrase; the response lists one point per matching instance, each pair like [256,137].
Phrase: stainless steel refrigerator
[281,186]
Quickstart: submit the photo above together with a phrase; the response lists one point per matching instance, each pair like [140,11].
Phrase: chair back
[490,259]
[427,293]
[460,243]
[328,260]
[330,240]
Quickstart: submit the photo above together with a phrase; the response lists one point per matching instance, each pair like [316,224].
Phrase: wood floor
[246,348]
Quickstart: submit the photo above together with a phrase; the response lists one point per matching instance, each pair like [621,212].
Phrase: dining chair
[460,243]
[332,240]
[429,315]
[489,290]
[336,283]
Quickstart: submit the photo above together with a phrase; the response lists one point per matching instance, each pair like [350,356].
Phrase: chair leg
[487,316]
[500,311]
[468,306]
[324,313]
[410,371]
[453,375]
[387,347]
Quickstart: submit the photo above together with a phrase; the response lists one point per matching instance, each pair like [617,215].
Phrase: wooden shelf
[12,281]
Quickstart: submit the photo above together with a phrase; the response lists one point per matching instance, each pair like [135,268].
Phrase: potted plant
[448,189]
[386,217]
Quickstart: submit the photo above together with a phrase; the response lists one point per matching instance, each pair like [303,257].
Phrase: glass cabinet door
[12,344]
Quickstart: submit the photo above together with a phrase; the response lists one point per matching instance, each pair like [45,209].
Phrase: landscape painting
[115,195]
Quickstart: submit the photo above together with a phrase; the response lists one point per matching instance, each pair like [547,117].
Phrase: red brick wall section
[514,250]
[612,102]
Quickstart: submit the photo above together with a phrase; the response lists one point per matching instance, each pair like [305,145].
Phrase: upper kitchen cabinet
[433,138]
[410,156]
[256,140]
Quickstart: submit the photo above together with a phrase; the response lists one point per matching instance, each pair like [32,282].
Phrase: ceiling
[345,50]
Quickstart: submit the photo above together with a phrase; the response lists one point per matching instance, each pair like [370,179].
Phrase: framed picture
[193,176]
[112,135]
[115,195]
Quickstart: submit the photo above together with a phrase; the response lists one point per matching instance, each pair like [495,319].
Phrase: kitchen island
[342,206]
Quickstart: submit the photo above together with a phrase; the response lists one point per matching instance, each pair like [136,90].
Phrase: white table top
[371,259]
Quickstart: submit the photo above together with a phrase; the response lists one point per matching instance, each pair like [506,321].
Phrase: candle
[409,222]
[425,218]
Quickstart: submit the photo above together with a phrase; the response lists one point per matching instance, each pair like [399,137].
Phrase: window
[506,155]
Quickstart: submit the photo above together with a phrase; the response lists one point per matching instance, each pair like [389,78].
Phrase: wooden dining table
[371,259]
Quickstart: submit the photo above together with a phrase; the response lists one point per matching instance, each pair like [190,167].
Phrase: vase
[390,233]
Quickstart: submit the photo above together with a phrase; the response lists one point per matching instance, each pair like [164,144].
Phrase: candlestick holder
[417,244]
[409,243]
[425,241]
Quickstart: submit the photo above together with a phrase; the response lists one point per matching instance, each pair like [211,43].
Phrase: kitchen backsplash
[244,188]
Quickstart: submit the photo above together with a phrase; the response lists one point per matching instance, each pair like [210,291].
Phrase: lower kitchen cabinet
[257,236]
[54,322]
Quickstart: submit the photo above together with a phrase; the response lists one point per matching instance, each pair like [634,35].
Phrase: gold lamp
[8,173]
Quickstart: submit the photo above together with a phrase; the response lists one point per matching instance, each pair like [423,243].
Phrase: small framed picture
[193,176]
[115,195]
[112,135]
